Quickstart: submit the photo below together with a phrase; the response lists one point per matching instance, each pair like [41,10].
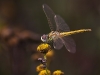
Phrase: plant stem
[46,64]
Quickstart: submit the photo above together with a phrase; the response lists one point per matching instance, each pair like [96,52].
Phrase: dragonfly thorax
[54,35]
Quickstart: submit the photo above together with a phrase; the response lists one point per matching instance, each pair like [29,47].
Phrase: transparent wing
[61,24]
[69,44]
[50,16]
[58,44]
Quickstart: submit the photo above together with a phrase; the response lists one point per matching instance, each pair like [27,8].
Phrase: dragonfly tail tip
[89,30]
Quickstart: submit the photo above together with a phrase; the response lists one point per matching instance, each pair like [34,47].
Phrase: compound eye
[44,38]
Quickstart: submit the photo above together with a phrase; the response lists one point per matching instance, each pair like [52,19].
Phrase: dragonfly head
[44,38]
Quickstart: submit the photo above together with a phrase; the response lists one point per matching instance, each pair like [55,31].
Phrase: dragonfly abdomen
[74,32]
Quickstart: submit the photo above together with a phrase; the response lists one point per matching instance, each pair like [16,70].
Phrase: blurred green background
[78,14]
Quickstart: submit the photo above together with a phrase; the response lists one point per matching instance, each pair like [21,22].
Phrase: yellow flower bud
[39,68]
[45,72]
[44,48]
[58,72]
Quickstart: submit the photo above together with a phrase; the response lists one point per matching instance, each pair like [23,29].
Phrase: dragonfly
[60,31]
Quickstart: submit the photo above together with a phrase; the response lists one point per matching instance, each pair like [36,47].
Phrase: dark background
[27,16]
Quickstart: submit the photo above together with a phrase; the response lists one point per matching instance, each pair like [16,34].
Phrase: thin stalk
[46,64]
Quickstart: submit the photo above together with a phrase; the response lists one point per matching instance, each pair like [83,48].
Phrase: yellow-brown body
[55,34]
